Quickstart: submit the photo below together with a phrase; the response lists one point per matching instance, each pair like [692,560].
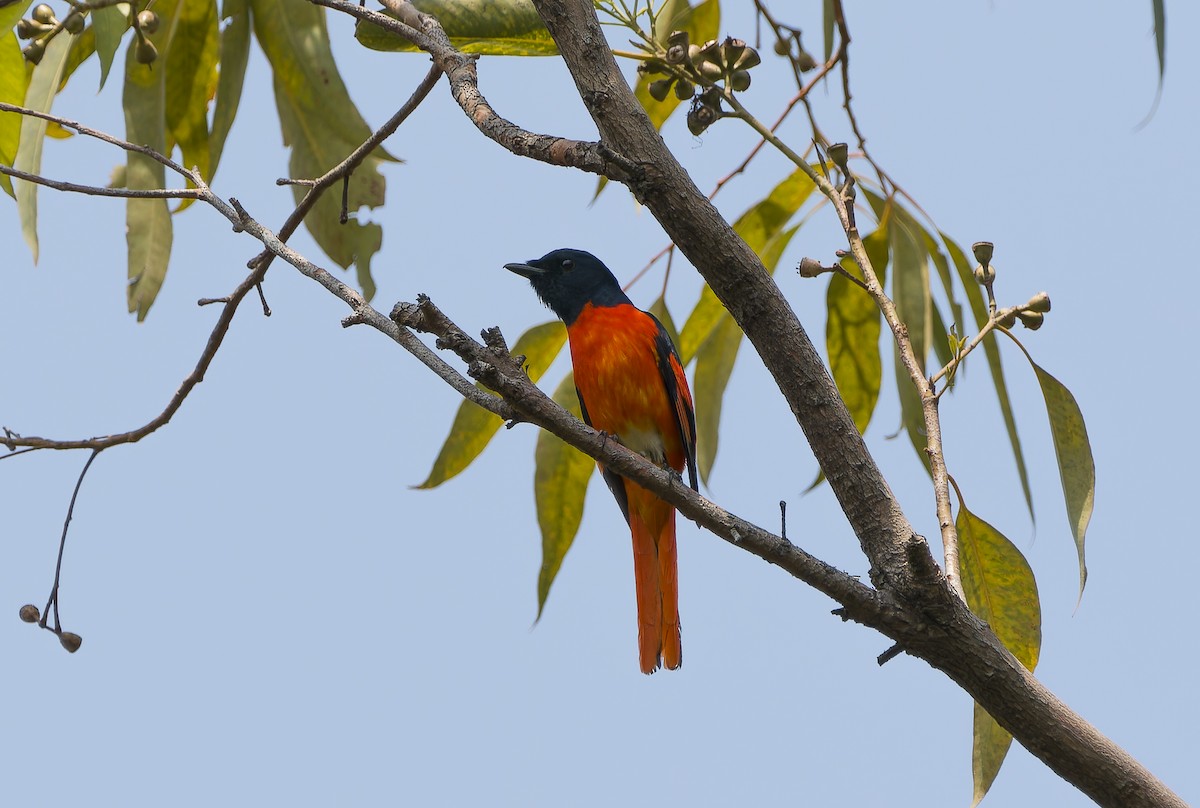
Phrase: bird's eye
[568,264]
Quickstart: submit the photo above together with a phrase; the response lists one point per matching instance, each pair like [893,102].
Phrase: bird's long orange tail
[656,575]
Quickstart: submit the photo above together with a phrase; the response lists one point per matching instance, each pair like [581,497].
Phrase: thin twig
[52,601]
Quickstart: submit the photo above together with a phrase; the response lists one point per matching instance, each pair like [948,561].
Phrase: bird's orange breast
[615,355]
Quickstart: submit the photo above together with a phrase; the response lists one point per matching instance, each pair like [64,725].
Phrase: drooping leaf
[1001,590]
[82,48]
[659,310]
[910,292]
[757,227]
[148,229]
[235,53]
[109,25]
[322,126]
[39,95]
[1076,467]
[714,365]
[190,65]
[852,330]
[474,426]
[512,28]
[979,311]
[560,484]
[14,80]
[827,27]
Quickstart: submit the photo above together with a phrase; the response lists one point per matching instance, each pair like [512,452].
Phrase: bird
[632,387]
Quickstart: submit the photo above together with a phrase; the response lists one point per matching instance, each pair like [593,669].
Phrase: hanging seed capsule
[700,117]
[684,89]
[739,80]
[650,67]
[28,29]
[34,51]
[985,275]
[659,89]
[1008,320]
[29,613]
[839,153]
[1032,319]
[145,53]
[712,71]
[678,46]
[709,52]
[1039,302]
[147,22]
[783,47]
[73,23]
[44,14]
[731,51]
[748,60]
[983,251]
[805,61]
[70,640]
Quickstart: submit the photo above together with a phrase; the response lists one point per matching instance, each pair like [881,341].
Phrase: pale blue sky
[271,616]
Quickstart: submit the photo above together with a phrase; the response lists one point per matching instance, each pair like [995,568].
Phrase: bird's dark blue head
[567,280]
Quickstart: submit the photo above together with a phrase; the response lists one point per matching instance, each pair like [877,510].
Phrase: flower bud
[805,61]
[44,14]
[659,89]
[684,89]
[147,22]
[145,53]
[73,23]
[1039,303]
[1008,320]
[739,80]
[839,153]
[34,51]
[985,275]
[1031,319]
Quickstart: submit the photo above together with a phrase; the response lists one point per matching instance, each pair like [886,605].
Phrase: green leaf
[1001,590]
[827,26]
[82,49]
[14,80]
[109,24]
[322,126]
[148,229]
[714,366]
[10,15]
[1160,36]
[659,310]
[190,65]
[235,52]
[474,426]
[1076,467]
[511,28]
[979,311]
[39,95]
[560,484]
[910,292]
[757,227]
[852,331]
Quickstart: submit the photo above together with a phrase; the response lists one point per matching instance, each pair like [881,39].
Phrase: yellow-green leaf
[82,49]
[659,310]
[852,330]
[474,426]
[14,79]
[560,484]
[10,15]
[39,95]
[714,366]
[757,227]
[322,126]
[1076,468]
[979,311]
[511,28]
[109,25]
[1001,590]
[235,52]
[148,229]
[190,65]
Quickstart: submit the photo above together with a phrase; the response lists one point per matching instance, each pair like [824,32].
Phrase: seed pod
[1008,320]
[1032,319]
[709,52]
[650,67]
[805,61]
[983,251]
[748,60]
[700,117]
[44,14]
[34,51]
[1039,302]
[684,89]
[678,46]
[73,23]
[70,640]
[712,71]
[811,268]
[28,29]
[739,80]
[839,153]
[29,613]
[659,89]
[731,51]
[145,53]
[147,22]
[985,275]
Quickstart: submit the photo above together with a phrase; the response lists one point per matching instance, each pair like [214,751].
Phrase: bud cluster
[42,26]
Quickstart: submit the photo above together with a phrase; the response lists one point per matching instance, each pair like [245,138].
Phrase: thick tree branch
[954,641]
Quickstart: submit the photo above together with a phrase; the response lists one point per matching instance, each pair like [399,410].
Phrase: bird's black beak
[525,270]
